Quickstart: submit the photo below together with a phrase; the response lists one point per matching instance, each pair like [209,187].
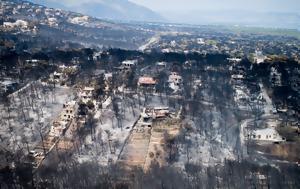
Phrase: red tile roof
[147,81]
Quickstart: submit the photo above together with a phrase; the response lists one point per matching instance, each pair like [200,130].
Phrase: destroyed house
[175,81]
[57,129]
[146,82]
[86,94]
[128,64]
[8,86]
[68,112]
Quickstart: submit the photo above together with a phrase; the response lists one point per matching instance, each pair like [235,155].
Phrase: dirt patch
[148,144]
[286,151]
[289,133]
[135,151]
[157,145]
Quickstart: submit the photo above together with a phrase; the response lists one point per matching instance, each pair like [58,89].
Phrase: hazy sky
[266,13]
[186,5]
[258,5]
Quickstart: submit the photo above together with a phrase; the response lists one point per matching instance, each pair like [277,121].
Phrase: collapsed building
[86,94]
[62,74]
[175,81]
[151,113]
[147,83]
[65,117]
[128,64]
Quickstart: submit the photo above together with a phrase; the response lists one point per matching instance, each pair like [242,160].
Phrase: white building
[68,112]
[86,94]
[108,76]
[81,20]
[8,85]
[200,41]
[58,77]
[97,56]
[62,73]
[128,64]
[197,84]
[52,22]
[267,134]
[234,60]
[259,57]
[18,24]
[175,81]
[161,64]
[64,68]
[151,113]
[275,77]
[238,77]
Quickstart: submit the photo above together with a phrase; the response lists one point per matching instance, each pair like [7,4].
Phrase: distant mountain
[108,9]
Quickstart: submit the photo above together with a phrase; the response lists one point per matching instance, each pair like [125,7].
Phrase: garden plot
[157,145]
[135,151]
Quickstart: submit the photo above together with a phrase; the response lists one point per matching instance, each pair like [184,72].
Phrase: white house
[127,64]
[238,76]
[8,85]
[259,57]
[234,60]
[86,94]
[151,113]
[161,64]
[81,20]
[52,21]
[62,73]
[175,81]
[200,41]
[267,134]
[68,112]
[58,77]
[18,24]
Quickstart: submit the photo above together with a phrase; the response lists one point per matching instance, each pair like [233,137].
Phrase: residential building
[147,83]
[267,134]
[86,94]
[175,81]
[128,64]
